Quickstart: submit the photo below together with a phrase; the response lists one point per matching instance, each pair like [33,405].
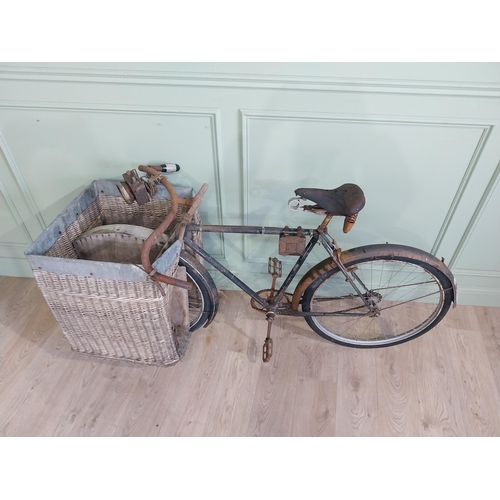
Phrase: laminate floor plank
[231,405]
[63,409]
[19,351]
[19,309]
[357,405]
[318,358]
[488,320]
[229,412]
[437,386]
[102,391]
[188,412]
[22,403]
[479,400]
[398,407]
[314,411]
[144,408]
[274,400]
[445,383]
[315,406]
[12,293]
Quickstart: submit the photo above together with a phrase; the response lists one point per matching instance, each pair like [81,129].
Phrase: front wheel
[407,293]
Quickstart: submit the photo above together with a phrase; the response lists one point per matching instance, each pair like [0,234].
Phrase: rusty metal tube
[159,231]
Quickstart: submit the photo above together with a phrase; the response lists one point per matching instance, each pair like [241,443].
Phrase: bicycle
[367,297]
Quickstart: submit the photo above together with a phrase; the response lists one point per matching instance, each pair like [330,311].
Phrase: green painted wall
[422,140]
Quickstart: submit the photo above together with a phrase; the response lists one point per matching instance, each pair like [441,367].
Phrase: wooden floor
[446,383]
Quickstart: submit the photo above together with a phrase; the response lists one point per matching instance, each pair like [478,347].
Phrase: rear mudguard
[371,251]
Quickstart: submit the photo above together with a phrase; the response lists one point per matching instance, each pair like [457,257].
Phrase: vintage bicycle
[367,297]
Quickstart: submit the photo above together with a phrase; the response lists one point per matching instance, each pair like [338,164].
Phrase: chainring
[266,294]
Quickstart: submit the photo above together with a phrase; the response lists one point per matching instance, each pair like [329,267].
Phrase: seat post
[324,224]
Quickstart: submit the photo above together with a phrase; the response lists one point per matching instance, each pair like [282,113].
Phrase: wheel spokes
[405,296]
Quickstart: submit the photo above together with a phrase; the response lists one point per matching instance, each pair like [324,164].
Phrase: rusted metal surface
[146,263]
[275,269]
[137,189]
[349,222]
[350,257]
[323,227]
[290,244]
[267,349]
[143,189]
[180,229]
[228,229]
[268,295]
[126,192]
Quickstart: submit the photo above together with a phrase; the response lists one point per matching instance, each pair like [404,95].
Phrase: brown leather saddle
[345,200]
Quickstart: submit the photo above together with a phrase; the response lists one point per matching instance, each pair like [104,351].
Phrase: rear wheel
[203,299]
[408,297]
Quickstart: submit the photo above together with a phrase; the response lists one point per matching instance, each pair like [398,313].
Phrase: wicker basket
[111,310]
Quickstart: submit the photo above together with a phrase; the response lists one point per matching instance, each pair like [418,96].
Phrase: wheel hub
[373,297]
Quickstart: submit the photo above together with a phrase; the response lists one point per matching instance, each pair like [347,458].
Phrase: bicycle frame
[315,237]
[133,189]
[271,301]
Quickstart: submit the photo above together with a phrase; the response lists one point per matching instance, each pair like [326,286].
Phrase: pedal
[267,350]
[274,267]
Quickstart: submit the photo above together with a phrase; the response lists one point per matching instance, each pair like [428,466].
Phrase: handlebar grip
[170,167]
[164,167]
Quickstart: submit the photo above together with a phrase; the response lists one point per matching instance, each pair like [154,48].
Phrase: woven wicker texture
[125,320]
[112,319]
[114,210]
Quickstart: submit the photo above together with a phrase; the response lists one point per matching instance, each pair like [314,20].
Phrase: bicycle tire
[417,301]
[202,298]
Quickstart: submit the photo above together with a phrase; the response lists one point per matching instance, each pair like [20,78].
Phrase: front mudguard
[349,257]
[208,283]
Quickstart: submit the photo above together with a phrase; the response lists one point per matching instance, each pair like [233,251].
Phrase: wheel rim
[408,296]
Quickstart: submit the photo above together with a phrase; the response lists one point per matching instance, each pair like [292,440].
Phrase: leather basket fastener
[292,245]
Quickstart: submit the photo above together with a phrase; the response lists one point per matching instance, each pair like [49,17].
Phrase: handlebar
[153,171]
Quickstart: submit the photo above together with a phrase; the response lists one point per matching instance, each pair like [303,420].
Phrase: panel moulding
[476,273]
[232,80]
[488,192]
[213,114]
[247,115]
[30,201]
[15,214]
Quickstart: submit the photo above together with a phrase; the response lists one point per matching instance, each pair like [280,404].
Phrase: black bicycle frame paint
[273,306]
